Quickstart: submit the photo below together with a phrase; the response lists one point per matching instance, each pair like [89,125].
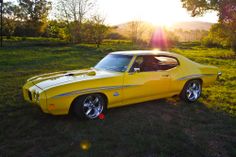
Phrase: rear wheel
[191,91]
[89,106]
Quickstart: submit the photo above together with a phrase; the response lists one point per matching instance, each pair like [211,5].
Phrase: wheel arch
[76,98]
[198,78]
[184,84]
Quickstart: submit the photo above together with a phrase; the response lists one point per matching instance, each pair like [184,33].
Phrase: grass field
[163,128]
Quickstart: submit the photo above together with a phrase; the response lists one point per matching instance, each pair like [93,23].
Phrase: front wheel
[89,106]
[191,91]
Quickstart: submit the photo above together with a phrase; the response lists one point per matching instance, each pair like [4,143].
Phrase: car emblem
[116,94]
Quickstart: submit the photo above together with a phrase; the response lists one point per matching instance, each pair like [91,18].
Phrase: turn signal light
[51,107]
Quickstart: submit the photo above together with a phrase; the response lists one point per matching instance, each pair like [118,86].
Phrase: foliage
[115,36]
[136,30]
[10,12]
[74,13]
[226,28]
[218,36]
[190,35]
[94,30]
[28,18]
[34,16]
[57,29]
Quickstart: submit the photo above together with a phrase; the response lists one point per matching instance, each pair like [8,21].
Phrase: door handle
[166,75]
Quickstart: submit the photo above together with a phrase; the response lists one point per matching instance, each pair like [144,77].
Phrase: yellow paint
[57,91]
[51,107]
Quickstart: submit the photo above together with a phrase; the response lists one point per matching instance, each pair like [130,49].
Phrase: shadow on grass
[166,127]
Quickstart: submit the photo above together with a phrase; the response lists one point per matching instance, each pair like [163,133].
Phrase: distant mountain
[185,31]
[192,25]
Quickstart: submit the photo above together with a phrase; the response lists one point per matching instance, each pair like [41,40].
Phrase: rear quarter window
[166,63]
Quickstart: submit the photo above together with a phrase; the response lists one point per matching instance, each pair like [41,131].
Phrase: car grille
[30,95]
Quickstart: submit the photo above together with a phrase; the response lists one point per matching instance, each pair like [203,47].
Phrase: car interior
[154,63]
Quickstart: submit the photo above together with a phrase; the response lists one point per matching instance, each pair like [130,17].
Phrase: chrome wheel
[93,106]
[193,91]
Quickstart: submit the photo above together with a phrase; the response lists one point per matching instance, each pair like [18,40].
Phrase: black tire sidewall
[78,106]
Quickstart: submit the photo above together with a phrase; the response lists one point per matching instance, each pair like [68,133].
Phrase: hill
[192,25]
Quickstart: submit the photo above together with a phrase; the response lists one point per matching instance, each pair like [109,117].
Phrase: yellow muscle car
[120,78]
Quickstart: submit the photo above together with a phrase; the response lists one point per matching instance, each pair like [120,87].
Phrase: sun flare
[157,12]
[160,13]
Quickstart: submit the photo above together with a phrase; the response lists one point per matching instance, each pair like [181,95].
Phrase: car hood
[50,80]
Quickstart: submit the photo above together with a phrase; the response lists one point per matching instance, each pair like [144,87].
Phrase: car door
[145,81]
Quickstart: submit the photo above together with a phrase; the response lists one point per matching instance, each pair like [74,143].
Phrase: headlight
[36,96]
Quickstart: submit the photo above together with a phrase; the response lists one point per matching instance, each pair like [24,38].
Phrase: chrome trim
[194,76]
[92,106]
[92,90]
[193,91]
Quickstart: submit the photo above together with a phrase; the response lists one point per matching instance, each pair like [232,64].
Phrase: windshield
[114,62]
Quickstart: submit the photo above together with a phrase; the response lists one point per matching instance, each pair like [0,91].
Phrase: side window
[145,63]
[137,63]
[153,63]
[165,63]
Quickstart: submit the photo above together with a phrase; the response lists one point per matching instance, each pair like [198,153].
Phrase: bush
[209,42]
[115,36]
[233,45]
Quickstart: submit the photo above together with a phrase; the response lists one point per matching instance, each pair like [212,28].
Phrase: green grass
[164,128]
[221,96]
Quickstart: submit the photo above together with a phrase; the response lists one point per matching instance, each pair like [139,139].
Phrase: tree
[217,37]
[99,29]
[34,13]
[10,12]
[94,30]
[226,11]
[56,29]
[74,12]
[135,31]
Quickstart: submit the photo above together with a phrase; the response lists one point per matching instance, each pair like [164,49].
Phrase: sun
[161,13]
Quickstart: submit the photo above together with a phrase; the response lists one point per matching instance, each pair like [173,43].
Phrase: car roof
[145,52]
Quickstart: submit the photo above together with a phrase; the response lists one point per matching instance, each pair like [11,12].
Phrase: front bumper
[35,95]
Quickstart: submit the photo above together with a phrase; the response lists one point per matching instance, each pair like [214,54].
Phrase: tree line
[78,21]
[223,33]
[75,21]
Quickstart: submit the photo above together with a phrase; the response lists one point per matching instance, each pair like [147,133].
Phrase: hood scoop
[70,74]
[91,73]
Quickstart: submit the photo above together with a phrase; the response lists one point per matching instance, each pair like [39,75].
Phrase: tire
[192,91]
[89,106]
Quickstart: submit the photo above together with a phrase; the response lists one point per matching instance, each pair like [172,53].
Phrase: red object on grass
[101,116]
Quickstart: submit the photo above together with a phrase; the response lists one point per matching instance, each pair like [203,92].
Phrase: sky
[159,12]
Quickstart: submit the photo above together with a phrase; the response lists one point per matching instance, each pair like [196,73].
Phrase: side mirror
[137,70]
